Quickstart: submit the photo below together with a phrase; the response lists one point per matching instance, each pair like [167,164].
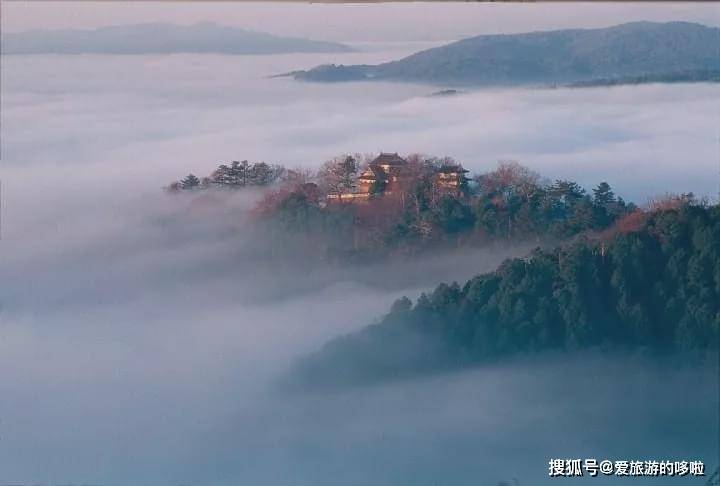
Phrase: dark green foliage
[378,187]
[261,174]
[511,203]
[297,220]
[558,210]
[235,176]
[656,287]
[604,195]
[190,182]
[242,174]
[297,212]
[452,216]
[348,172]
[401,305]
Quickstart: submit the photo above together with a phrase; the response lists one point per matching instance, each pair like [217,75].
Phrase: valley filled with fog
[142,335]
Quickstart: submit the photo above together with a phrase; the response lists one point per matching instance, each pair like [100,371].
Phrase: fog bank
[140,333]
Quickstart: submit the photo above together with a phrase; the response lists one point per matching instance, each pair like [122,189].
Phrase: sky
[411,21]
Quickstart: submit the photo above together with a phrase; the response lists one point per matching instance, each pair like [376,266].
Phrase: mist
[147,120]
[142,333]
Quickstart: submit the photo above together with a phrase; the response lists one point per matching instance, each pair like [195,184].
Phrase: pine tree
[239,173]
[603,195]
[260,174]
[190,182]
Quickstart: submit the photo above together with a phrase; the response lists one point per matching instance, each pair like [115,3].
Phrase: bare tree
[297,176]
[509,177]
[338,175]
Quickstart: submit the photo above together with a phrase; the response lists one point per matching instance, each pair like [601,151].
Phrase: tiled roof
[389,159]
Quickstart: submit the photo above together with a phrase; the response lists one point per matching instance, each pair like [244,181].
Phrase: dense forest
[508,203]
[650,282]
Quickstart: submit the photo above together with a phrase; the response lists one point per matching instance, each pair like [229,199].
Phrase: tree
[402,304]
[190,182]
[656,287]
[260,174]
[221,175]
[566,192]
[234,176]
[603,195]
[453,216]
[295,176]
[174,187]
[239,173]
[509,177]
[338,175]
[378,187]
[347,172]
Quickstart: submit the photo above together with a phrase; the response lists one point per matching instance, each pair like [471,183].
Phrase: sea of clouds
[141,333]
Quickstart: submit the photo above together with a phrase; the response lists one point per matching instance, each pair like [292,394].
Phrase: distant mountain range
[629,53]
[160,38]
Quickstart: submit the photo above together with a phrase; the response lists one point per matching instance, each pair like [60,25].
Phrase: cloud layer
[141,333]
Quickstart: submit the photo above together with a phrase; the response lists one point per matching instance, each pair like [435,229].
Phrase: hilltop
[356,208]
[632,53]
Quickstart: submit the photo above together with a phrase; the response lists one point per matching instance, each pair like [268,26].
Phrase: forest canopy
[418,209]
[605,273]
[652,282]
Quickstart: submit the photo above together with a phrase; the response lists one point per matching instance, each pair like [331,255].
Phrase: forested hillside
[632,53]
[651,282]
[509,204]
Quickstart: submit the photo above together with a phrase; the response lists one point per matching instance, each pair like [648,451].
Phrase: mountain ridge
[648,286]
[160,38]
[570,56]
